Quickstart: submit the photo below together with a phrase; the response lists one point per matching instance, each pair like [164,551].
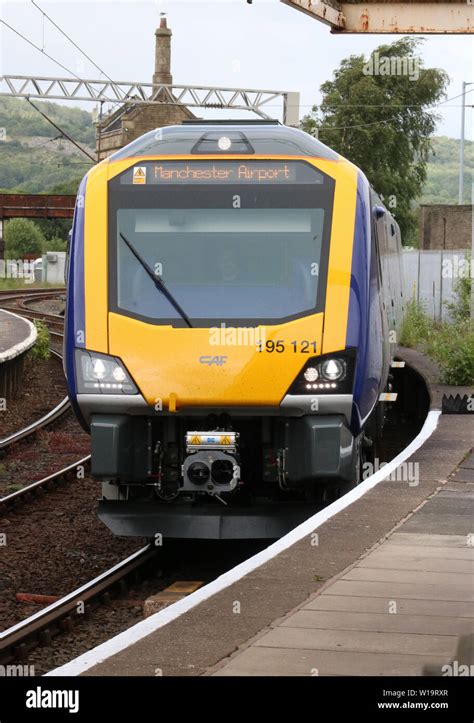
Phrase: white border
[22,346]
[145,627]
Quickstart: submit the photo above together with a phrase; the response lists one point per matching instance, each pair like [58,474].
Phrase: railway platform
[17,335]
[378,583]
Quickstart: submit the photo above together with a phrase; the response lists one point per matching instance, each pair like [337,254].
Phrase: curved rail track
[53,415]
[26,493]
[39,629]
[44,421]
[10,299]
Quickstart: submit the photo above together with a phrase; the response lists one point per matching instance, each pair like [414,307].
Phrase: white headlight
[101,373]
[224,143]
[119,374]
[311,374]
[99,368]
[332,369]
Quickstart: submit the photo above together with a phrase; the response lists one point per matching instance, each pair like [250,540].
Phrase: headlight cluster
[331,374]
[102,374]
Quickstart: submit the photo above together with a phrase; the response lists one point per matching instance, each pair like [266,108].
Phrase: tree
[377,113]
[23,238]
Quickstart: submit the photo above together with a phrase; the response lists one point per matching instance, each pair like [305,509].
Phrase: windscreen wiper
[160,285]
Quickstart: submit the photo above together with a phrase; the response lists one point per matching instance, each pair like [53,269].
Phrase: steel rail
[17,640]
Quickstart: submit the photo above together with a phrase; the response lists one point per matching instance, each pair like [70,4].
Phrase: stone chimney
[162,72]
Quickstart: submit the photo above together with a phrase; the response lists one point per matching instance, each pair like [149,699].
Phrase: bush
[23,238]
[54,244]
[451,345]
[416,327]
[460,309]
[453,348]
[41,348]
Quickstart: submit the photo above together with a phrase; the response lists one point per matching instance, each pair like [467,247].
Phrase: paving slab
[359,641]
[440,579]
[427,539]
[396,590]
[464,474]
[390,561]
[439,608]
[283,661]
[468,462]
[382,622]
[426,552]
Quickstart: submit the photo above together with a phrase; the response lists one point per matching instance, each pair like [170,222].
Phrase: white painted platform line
[23,345]
[158,620]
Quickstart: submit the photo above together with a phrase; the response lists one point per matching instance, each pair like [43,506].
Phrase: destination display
[231,172]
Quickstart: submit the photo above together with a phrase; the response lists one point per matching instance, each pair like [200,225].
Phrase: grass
[41,348]
[449,343]
[14,284]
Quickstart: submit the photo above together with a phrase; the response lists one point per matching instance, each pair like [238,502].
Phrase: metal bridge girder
[131,93]
[422,16]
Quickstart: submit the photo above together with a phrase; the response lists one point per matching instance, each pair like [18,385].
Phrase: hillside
[33,160]
[442,182]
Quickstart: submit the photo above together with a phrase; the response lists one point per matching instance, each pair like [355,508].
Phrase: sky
[264,45]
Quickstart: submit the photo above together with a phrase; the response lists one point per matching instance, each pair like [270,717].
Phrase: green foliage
[383,124]
[416,326]
[54,244]
[23,238]
[20,119]
[460,309]
[41,348]
[30,162]
[451,345]
[453,348]
[442,177]
[54,228]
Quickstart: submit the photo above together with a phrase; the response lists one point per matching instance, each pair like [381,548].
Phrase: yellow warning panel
[139,174]
[195,440]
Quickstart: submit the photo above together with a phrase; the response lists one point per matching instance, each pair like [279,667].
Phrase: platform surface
[399,608]
[16,335]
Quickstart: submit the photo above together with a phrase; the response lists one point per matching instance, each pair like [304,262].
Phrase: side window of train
[376,246]
[68,252]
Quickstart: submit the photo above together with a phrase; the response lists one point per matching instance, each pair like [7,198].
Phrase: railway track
[26,493]
[52,416]
[44,421]
[39,629]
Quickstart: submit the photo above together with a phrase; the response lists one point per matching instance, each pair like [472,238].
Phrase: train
[234,290]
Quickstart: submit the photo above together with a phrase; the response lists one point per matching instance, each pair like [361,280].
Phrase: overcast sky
[228,42]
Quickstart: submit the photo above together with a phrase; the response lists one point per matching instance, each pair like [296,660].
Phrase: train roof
[247,137]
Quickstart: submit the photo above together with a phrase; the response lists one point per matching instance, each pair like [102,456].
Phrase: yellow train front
[226,333]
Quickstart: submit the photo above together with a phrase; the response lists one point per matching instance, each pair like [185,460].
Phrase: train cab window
[244,254]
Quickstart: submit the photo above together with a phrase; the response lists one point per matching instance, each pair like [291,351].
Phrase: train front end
[208,349]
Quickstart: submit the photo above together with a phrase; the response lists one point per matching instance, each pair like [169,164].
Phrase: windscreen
[232,242]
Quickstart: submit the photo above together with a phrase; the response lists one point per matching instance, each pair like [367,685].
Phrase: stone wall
[445,226]
[138,121]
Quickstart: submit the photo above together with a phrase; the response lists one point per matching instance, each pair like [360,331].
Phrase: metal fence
[431,276]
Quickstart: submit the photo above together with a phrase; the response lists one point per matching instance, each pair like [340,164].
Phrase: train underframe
[221,476]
